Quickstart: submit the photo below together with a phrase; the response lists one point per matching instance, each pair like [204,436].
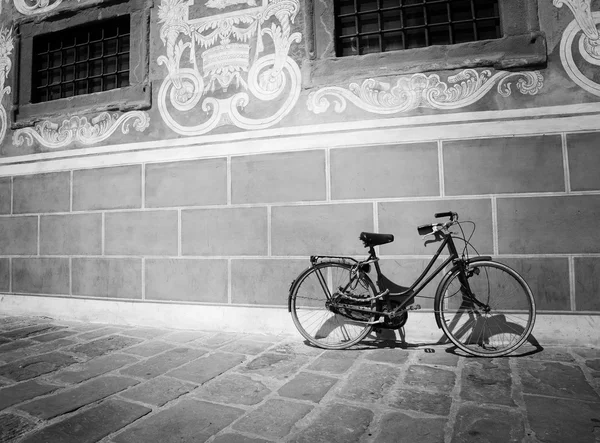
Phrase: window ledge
[517,51]
[136,97]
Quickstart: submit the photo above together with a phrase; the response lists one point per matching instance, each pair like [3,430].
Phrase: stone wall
[237,230]
[215,189]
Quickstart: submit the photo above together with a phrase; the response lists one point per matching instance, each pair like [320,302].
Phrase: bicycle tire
[494,333]
[315,321]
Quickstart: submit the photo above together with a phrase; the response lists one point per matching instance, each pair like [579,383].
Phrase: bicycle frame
[422,280]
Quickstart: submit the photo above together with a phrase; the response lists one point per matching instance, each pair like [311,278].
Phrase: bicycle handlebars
[430,229]
[453,215]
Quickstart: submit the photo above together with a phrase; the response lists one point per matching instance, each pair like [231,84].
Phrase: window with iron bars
[370,26]
[81,60]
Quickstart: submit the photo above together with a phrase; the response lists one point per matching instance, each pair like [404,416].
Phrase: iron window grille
[368,26]
[81,60]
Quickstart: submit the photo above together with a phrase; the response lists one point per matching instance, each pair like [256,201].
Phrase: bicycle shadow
[476,330]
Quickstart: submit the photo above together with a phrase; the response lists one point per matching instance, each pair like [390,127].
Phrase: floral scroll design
[584,28]
[6,47]
[80,129]
[36,6]
[424,91]
[228,64]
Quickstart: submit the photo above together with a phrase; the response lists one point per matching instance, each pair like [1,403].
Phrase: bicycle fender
[293,286]
[438,292]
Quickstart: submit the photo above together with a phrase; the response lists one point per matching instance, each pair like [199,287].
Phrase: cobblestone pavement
[79,382]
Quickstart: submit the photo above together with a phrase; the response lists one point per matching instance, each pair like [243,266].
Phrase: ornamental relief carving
[410,92]
[583,31]
[80,129]
[33,7]
[219,64]
[6,47]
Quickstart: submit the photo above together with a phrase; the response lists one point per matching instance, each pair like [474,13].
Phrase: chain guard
[394,323]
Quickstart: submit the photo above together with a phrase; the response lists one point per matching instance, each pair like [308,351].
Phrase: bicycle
[483,307]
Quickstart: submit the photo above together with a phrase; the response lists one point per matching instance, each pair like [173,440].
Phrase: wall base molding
[550,329]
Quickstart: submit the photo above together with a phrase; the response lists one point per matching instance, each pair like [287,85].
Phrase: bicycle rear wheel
[317,319]
[504,321]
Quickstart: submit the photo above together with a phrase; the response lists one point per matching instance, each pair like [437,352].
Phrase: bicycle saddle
[372,239]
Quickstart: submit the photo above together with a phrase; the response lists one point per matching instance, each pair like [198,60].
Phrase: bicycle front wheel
[497,320]
[316,315]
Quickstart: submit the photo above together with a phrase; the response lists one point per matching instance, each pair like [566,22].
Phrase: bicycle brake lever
[435,240]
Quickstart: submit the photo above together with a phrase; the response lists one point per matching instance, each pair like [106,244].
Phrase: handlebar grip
[444,214]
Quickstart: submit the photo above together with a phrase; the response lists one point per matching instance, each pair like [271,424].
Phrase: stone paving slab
[92,368]
[72,399]
[36,365]
[84,383]
[13,426]
[158,391]
[105,345]
[21,392]
[234,389]
[36,349]
[91,425]
[397,427]
[159,364]
[188,420]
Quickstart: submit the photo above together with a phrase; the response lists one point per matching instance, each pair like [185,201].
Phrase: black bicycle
[484,307]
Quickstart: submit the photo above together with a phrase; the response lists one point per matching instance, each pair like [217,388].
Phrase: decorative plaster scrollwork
[79,129]
[424,91]
[226,65]
[584,26]
[6,47]
[36,6]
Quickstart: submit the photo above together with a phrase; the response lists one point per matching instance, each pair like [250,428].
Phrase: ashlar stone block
[186,183]
[503,165]
[121,188]
[141,233]
[548,279]
[263,281]
[73,234]
[42,193]
[5,195]
[40,275]
[4,274]
[281,177]
[548,225]
[584,161]
[403,170]
[587,283]
[403,218]
[18,235]
[238,231]
[107,277]
[186,280]
[320,229]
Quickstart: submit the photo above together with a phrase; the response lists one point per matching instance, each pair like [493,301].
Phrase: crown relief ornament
[220,64]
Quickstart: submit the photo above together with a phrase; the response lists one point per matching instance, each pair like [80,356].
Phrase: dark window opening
[81,60]
[368,26]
